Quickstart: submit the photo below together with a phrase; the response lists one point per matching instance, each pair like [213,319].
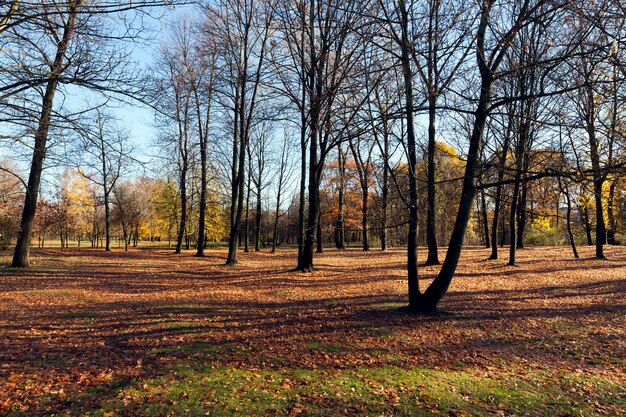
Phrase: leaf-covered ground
[146,332]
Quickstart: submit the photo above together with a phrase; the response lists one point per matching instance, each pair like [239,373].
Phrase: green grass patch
[226,391]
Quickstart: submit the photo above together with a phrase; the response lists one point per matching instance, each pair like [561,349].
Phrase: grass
[224,391]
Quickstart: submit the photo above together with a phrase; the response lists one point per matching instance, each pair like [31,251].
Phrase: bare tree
[68,42]
[332,57]
[245,28]
[175,103]
[105,154]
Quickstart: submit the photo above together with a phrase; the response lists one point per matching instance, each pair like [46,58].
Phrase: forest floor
[84,332]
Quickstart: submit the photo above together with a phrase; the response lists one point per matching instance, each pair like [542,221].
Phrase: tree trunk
[302,196]
[385,193]
[496,217]
[257,237]
[21,256]
[598,176]
[485,218]
[246,232]
[237,200]
[313,211]
[521,217]
[203,199]
[340,225]
[183,209]
[600,228]
[431,237]
[415,297]
[569,219]
[513,217]
[275,232]
[364,219]
[440,285]
[429,301]
[610,232]
[585,216]
[319,237]
[305,261]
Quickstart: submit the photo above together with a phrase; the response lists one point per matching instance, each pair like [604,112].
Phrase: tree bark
[433,294]
[257,236]
[305,263]
[183,209]
[513,218]
[21,256]
[431,237]
[521,216]
[364,219]
[246,226]
[385,191]
[498,198]
[610,214]
[585,216]
[415,297]
[569,219]
[340,225]
[485,218]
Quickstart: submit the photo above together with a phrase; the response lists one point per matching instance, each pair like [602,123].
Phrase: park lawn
[84,332]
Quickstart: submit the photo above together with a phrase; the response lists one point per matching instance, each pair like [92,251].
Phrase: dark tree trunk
[585,216]
[496,218]
[107,209]
[257,235]
[485,218]
[569,220]
[319,237]
[610,214]
[238,186]
[246,226]
[521,217]
[598,176]
[512,218]
[21,256]
[498,198]
[313,209]
[429,301]
[340,226]
[385,193]
[303,151]
[600,228]
[275,232]
[431,238]
[301,207]
[440,285]
[183,209]
[364,219]
[281,177]
[415,297]
[203,199]
[305,261]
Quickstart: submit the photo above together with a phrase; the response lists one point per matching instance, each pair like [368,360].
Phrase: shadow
[65,320]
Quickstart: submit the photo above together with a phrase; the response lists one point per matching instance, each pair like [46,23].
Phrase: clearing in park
[84,332]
